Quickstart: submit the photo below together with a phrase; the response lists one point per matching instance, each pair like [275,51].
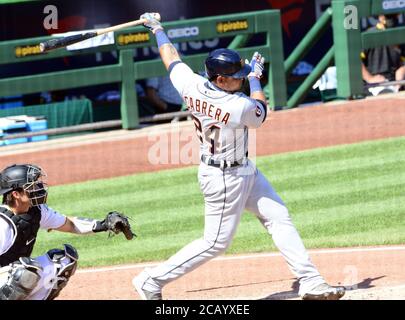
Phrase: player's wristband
[254,84]
[84,225]
[172,65]
[161,38]
[99,226]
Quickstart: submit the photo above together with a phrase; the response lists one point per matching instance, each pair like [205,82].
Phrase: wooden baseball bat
[67,41]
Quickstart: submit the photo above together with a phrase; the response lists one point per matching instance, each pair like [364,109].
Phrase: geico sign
[393,4]
[183,32]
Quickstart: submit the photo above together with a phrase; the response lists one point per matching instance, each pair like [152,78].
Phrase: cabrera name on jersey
[221,119]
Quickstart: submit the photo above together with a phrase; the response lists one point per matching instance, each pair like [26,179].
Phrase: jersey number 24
[211,136]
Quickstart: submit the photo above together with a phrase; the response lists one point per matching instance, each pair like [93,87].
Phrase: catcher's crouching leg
[23,276]
[65,262]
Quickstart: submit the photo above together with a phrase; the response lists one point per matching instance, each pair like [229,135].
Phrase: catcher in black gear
[22,212]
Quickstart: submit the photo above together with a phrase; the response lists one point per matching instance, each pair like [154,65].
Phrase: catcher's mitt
[116,222]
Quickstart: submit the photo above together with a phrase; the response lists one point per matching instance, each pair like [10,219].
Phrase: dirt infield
[368,273]
[372,273]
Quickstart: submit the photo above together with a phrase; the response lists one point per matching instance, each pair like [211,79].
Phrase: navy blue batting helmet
[226,62]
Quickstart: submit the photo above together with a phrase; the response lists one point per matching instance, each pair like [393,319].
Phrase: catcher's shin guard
[23,277]
[65,270]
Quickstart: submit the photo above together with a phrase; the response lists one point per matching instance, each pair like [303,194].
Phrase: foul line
[259,255]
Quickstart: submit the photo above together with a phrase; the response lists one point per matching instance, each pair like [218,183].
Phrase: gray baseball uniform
[230,183]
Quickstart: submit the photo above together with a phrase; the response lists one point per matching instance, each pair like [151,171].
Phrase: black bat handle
[66,41]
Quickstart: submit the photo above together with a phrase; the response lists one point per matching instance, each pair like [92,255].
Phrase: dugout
[239,28]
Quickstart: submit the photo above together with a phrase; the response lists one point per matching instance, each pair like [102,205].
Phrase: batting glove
[257,65]
[151,22]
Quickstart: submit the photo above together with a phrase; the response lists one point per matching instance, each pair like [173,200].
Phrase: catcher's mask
[27,177]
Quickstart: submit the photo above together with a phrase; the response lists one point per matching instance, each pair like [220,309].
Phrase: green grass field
[349,195]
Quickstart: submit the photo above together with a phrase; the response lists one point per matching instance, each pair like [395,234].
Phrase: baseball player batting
[22,212]
[229,181]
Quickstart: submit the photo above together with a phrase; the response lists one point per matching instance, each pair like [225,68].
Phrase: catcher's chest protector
[26,228]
